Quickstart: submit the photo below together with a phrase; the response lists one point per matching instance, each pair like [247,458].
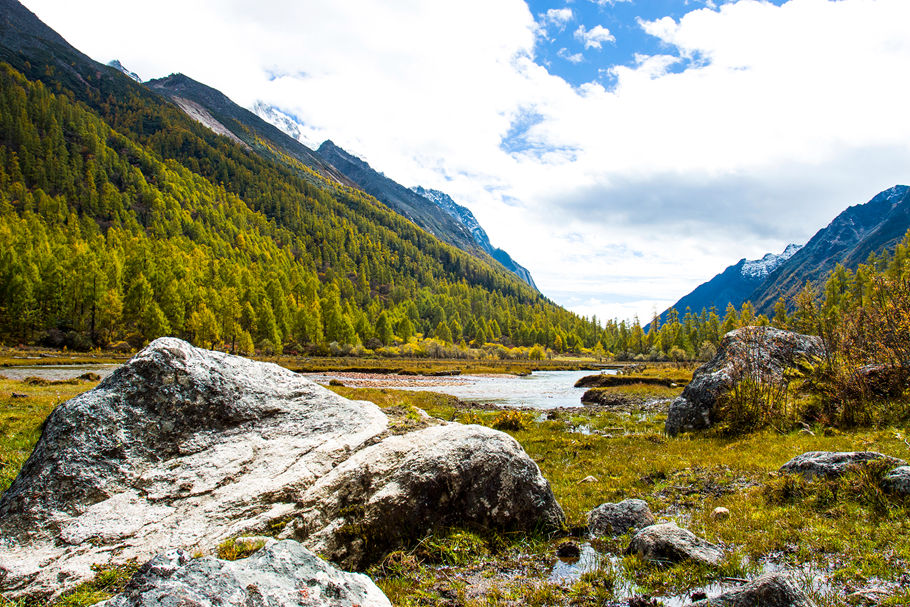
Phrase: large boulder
[667,543]
[832,464]
[616,519]
[765,352]
[183,448]
[282,573]
[769,590]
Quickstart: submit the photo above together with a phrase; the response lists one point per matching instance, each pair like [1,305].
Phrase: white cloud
[559,17]
[756,125]
[569,56]
[594,37]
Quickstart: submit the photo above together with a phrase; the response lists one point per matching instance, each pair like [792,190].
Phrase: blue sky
[563,49]
[623,151]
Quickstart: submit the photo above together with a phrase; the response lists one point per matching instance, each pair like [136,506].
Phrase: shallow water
[56,372]
[540,390]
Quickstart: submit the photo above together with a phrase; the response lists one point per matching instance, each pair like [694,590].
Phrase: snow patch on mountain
[284,122]
[119,67]
[757,268]
[458,213]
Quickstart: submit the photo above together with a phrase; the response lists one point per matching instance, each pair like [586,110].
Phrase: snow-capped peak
[283,122]
[119,66]
[757,268]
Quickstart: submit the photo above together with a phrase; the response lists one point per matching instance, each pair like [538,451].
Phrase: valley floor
[845,542]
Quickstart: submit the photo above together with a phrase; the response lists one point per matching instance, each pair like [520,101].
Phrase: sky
[624,151]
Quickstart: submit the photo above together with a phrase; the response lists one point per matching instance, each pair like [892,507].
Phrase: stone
[720,513]
[282,573]
[182,448]
[18,395]
[832,464]
[768,590]
[617,519]
[587,479]
[667,543]
[770,351]
[898,480]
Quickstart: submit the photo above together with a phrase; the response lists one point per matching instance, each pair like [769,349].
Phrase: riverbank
[31,356]
[835,540]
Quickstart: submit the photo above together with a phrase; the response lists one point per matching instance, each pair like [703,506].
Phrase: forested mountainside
[123,217]
[415,207]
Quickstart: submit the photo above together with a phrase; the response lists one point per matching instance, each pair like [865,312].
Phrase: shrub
[510,420]
[759,396]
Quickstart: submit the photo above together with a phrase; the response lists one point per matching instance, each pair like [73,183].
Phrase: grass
[832,535]
[847,533]
[21,419]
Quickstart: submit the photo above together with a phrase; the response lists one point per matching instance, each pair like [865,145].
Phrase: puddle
[568,570]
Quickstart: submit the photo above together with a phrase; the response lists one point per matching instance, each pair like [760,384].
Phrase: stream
[540,390]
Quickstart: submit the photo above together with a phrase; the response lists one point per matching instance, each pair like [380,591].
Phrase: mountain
[733,285]
[216,111]
[119,67]
[464,216]
[859,231]
[400,199]
[124,215]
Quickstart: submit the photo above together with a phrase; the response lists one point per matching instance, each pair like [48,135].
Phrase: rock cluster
[183,448]
[764,351]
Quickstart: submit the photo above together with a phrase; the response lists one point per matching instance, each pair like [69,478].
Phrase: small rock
[832,464]
[616,519]
[644,600]
[587,479]
[667,543]
[18,395]
[898,480]
[769,590]
[285,572]
[867,596]
[89,377]
[720,514]
[698,595]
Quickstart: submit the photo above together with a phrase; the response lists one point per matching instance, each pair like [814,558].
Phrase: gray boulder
[769,590]
[764,351]
[832,464]
[667,543]
[183,448]
[282,573]
[898,480]
[616,519]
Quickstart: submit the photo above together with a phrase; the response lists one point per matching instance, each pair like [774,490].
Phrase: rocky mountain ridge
[857,232]
[466,218]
